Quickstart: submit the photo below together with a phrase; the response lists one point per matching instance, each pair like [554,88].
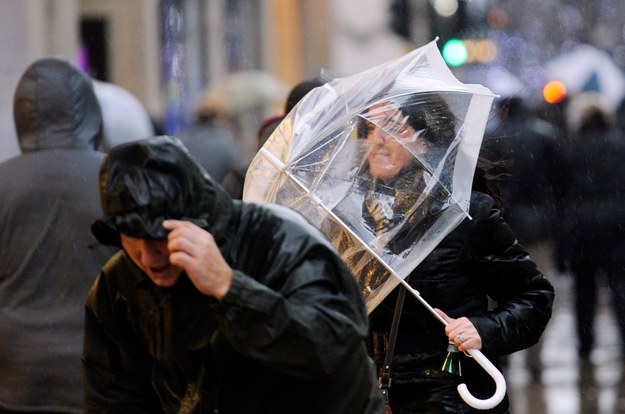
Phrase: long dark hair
[489,173]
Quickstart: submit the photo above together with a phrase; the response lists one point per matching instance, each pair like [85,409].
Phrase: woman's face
[386,139]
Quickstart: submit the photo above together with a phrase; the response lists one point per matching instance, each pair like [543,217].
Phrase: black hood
[145,182]
[54,106]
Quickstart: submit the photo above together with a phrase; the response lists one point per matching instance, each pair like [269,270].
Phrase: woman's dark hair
[425,111]
[430,113]
[299,91]
[489,172]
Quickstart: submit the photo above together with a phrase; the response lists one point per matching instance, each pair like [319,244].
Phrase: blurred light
[497,18]
[455,52]
[554,92]
[480,51]
[445,8]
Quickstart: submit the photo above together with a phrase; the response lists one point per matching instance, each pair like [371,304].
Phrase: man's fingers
[172,224]
[181,244]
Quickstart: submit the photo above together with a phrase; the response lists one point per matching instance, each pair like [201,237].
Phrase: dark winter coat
[592,204]
[48,256]
[287,338]
[480,259]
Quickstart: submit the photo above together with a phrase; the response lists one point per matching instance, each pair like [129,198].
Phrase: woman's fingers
[461,332]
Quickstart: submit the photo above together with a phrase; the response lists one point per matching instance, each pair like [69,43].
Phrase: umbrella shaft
[417,295]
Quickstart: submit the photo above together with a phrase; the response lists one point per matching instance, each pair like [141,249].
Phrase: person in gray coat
[215,305]
[48,257]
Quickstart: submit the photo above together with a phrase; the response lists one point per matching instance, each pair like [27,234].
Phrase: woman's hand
[194,249]
[461,332]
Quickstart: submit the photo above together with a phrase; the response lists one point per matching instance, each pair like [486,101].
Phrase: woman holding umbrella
[482,282]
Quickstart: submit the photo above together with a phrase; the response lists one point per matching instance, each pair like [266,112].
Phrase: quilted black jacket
[479,271]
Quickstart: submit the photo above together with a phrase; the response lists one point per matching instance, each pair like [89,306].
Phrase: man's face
[386,152]
[152,257]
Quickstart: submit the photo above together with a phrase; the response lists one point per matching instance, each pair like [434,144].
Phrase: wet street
[564,386]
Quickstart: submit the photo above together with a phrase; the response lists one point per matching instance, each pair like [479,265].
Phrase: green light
[455,52]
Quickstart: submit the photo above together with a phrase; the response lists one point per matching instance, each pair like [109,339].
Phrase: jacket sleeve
[504,270]
[308,320]
[116,373]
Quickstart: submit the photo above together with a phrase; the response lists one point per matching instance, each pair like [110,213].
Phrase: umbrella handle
[478,356]
[495,374]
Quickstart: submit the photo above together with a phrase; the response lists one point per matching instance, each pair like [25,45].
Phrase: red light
[554,92]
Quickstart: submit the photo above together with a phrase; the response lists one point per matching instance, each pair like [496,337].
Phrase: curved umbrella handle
[496,375]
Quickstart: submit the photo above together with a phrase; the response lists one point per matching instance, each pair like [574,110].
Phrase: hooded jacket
[288,337]
[48,257]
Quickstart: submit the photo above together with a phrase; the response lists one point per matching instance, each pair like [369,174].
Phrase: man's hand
[194,249]
[461,332]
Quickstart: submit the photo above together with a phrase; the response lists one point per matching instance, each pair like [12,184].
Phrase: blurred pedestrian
[124,117]
[48,257]
[295,95]
[594,216]
[211,142]
[242,98]
[528,170]
[216,305]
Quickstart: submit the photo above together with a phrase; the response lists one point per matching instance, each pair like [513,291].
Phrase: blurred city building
[166,52]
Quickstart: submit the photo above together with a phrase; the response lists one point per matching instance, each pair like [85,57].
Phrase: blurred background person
[526,148]
[48,257]
[594,216]
[211,142]
[124,117]
[295,95]
[226,114]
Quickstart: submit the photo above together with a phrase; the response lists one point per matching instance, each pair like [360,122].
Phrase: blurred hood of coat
[54,106]
[124,117]
[145,182]
[587,111]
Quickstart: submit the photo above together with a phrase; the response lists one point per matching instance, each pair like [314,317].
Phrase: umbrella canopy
[588,69]
[323,161]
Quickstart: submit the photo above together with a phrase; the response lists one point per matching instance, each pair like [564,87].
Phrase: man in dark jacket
[48,256]
[215,305]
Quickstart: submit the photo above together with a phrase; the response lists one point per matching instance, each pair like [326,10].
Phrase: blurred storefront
[167,52]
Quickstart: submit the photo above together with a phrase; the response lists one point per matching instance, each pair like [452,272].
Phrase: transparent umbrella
[382,162]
